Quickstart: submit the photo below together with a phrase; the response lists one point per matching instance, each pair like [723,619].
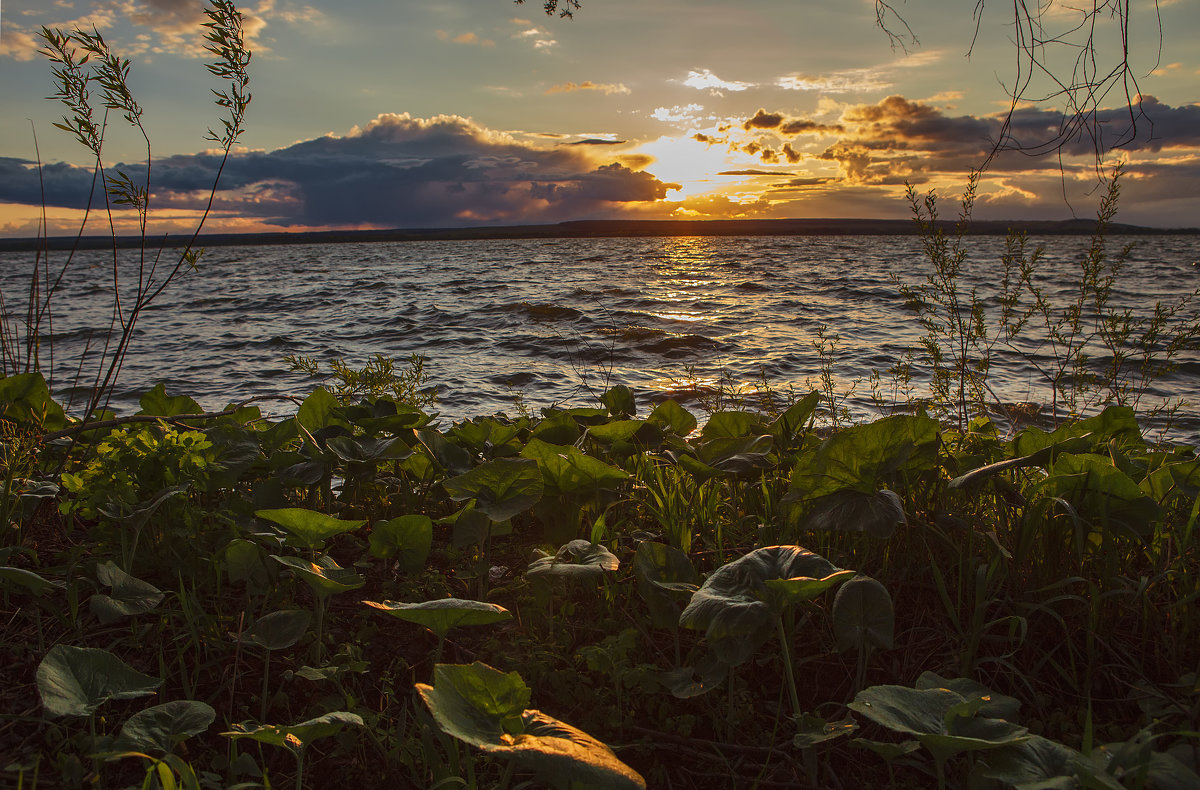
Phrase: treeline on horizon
[582,229]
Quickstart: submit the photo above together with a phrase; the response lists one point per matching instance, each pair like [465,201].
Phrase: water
[551,321]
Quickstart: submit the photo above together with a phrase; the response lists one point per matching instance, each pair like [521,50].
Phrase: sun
[693,165]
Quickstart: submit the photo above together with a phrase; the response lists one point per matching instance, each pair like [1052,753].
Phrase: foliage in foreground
[753,601]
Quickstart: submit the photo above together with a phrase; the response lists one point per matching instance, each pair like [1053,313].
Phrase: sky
[403,114]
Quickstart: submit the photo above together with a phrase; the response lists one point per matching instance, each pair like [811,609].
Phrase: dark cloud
[596,141]
[764,120]
[399,171]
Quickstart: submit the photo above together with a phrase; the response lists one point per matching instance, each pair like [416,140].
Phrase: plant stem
[787,665]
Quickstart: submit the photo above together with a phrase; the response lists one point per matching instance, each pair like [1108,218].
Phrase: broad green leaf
[278,630]
[566,470]
[319,410]
[158,730]
[737,609]
[484,707]
[656,564]
[788,592]
[362,450]
[866,458]
[448,455]
[995,706]
[468,526]
[788,425]
[1099,492]
[75,681]
[927,714]
[245,562]
[812,729]
[296,737]
[159,404]
[14,578]
[129,597]
[669,415]
[579,559]
[849,510]
[732,425]
[501,488]
[309,527]
[616,431]
[443,614]
[620,401]
[1037,762]
[1115,422]
[25,398]
[863,617]
[737,455]
[407,538]
[325,576]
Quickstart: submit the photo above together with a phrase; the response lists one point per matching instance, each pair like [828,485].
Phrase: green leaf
[812,729]
[669,415]
[484,707]
[567,470]
[325,576]
[619,400]
[656,564]
[278,630]
[700,676]
[12,578]
[296,737]
[129,597]
[929,715]
[25,398]
[158,730]
[863,617]
[309,527]
[732,425]
[735,606]
[849,510]
[1099,492]
[996,706]
[449,456]
[362,450]
[75,681]
[246,562]
[156,402]
[616,431]
[501,488]
[445,613]
[319,410]
[1036,762]
[578,559]
[407,538]
[787,592]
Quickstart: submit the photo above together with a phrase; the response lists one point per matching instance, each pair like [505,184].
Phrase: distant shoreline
[588,229]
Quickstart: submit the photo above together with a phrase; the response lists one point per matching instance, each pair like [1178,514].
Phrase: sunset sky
[401,114]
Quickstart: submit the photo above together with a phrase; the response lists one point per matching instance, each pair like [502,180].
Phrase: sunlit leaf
[309,527]
[484,707]
[445,613]
[501,488]
[325,576]
[579,559]
[296,737]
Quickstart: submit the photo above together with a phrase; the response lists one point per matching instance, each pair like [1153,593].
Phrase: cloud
[588,85]
[595,141]
[680,113]
[469,39]
[706,80]
[540,38]
[774,173]
[398,171]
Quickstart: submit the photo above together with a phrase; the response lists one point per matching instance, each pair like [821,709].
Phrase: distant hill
[586,229]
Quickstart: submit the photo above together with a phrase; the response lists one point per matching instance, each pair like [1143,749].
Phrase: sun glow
[693,165]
